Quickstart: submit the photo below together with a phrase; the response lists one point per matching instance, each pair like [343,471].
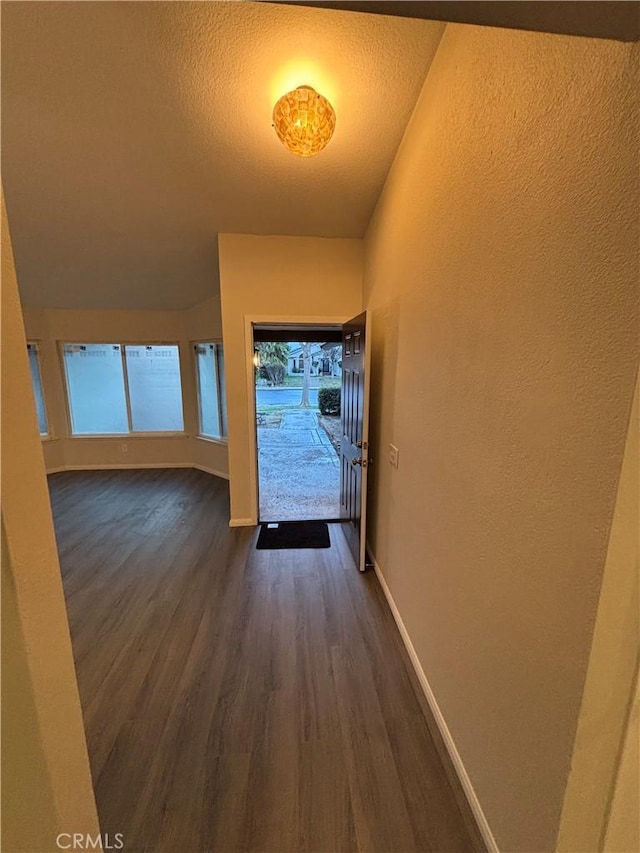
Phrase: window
[95,382]
[36,381]
[115,389]
[212,404]
[155,392]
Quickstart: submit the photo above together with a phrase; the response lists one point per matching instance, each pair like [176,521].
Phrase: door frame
[251,320]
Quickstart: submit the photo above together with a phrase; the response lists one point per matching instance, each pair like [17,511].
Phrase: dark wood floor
[234,699]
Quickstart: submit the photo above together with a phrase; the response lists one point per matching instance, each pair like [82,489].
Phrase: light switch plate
[393,455]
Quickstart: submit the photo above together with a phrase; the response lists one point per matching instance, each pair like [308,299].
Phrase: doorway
[298,387]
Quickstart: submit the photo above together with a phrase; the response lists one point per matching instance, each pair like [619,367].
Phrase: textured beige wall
[501,272]
[46,782]
[613,664]
[277,278]
[210,455]
[49,327]
[204,321]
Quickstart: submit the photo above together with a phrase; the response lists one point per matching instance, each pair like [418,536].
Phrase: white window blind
[116,389]
[212,406]
[155,392]
[36,382]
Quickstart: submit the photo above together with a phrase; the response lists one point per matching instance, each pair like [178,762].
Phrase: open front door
[354,444]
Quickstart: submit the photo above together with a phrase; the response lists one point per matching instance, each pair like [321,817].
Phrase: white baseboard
[211,471]
[119,466]
[454,755]
[243,522]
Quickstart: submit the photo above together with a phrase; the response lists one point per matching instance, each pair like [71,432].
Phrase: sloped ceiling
[606,19]
[132,133]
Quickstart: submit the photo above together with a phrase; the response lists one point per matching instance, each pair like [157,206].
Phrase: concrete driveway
[299,470]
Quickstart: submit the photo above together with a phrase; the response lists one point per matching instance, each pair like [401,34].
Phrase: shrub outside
[329,401]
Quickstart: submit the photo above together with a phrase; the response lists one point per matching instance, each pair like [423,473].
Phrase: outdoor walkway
[299,470]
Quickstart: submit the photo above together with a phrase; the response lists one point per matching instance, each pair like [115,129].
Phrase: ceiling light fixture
[304,121]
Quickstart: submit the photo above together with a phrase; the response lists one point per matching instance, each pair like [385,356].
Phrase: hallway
[234,699]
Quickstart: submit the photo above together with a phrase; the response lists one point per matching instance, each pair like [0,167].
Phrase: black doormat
[293,534]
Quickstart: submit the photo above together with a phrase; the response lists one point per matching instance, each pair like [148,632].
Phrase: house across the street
[326,359]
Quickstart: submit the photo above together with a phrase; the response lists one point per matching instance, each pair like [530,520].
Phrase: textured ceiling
[133,132]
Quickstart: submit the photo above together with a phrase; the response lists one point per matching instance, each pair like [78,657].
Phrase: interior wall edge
[620,831]
[47,783]
[447,738]
[223,475]
[609,685]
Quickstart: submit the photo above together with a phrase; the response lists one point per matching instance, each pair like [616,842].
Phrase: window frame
[222,439]
[36,343]
[131,434]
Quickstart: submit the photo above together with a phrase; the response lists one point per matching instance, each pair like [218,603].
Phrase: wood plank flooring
[234,699]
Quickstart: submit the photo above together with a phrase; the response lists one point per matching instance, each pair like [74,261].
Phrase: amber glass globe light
[304,121]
